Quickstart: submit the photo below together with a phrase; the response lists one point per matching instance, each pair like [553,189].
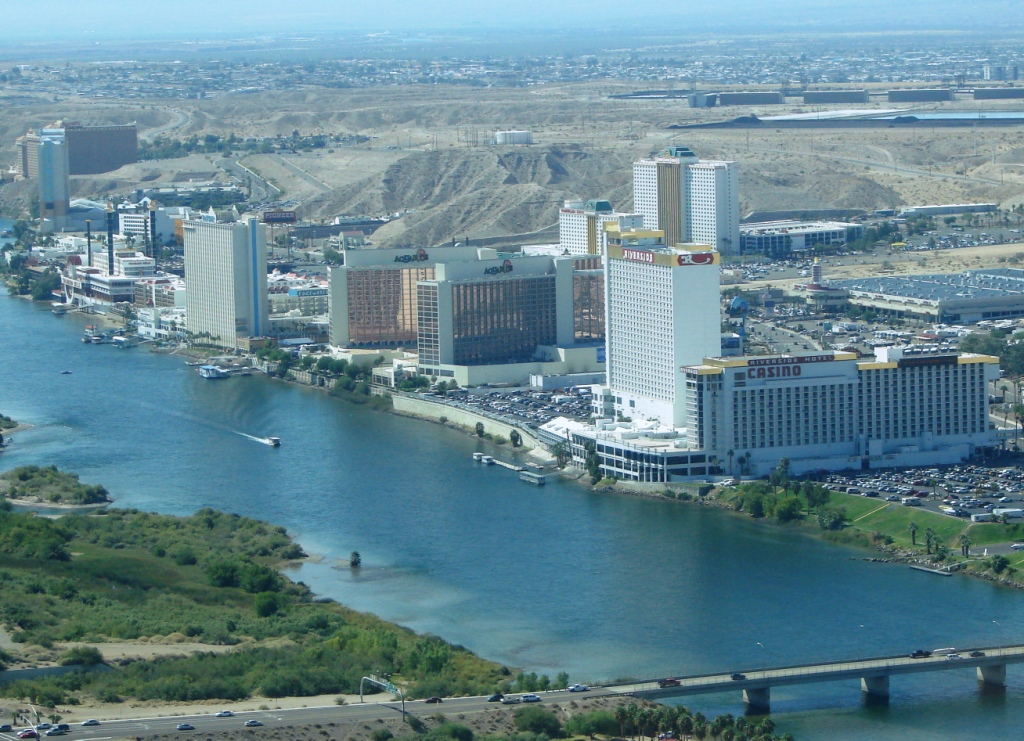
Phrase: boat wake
[272,441]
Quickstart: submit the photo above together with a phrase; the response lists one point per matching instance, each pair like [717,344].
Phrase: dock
[937,572]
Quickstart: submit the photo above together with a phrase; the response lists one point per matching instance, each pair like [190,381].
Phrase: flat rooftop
[970,284]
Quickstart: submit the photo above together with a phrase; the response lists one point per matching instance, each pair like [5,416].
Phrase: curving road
[180,120]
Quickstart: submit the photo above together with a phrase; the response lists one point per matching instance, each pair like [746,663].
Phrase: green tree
[965,542]
[355,560]
[538,720]
[266,604]
[479,429]
[788,509]
[913,528]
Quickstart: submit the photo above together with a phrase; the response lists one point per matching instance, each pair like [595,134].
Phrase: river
[544,578]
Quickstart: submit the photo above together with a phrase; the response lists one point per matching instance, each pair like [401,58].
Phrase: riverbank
[936,541]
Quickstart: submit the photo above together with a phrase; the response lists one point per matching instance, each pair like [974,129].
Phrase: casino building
[908,406]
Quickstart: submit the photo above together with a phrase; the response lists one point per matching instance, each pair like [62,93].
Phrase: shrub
[538,720]
[81,656]
[381,734]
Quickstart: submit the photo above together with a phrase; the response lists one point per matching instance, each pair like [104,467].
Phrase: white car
[90,722]
[579,688]
[531,698]
[224,714]
[1017,546]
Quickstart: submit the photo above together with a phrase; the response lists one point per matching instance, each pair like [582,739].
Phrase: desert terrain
[429,156]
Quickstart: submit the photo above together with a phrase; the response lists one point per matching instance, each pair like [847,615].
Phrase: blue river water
[543,578]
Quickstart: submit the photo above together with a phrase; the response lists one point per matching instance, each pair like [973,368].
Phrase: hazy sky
[82,19]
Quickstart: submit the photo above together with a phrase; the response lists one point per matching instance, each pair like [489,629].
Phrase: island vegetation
[49,485]
[6,423]
[74,583]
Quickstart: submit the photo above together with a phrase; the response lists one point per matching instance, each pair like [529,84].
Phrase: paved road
[364,712]
[261,189]
[827,672]
[179,120]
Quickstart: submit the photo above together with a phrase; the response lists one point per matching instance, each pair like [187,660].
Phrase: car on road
[55,732]
[670,682]
[892,498]
[920,654]
[224,714]
[28,733]
[496,697]
[90,722]
[737,676]
[953,656]
[579,688]
[186,727]
[976,654]
[1005,500]
[252,723]
[6,728]
[43,726]
[510,701]
[531,698]
[1017,546]
[433,700]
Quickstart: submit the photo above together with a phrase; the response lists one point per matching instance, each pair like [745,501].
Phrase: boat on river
[274,442]
[213,371]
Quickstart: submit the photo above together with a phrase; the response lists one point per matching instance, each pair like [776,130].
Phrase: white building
[226,276]
[662,309]
[581,225]
[909,406]
[688,199]
[781,238]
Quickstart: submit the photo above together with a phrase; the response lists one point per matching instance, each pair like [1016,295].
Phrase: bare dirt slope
[428,151]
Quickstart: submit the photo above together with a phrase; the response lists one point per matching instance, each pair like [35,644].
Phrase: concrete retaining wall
[463,417]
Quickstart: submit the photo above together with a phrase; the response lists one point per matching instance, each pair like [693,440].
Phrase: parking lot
[954,491]
[524,407]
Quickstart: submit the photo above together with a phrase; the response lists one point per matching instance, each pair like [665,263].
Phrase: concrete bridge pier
[758,698]
[877,686]
[994,674]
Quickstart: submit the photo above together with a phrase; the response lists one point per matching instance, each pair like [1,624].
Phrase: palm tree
[966,542]
[621,716]
[731,453]
[912,527]
[930,540]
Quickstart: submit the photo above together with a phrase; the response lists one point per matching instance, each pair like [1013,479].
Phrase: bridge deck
[826,672]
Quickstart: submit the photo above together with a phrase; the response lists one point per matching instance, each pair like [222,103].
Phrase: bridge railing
[874,662]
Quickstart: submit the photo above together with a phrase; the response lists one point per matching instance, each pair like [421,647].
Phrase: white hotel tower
[662,307]
[226,281]
[688,199]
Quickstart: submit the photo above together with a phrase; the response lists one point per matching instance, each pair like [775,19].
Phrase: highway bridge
[988,662]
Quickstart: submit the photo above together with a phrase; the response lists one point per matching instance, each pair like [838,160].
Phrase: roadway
[824,672]
[261,190]
[286,718]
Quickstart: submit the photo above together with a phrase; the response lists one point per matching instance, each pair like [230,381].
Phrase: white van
[910,502]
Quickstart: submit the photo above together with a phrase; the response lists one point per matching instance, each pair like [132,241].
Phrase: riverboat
[213,371]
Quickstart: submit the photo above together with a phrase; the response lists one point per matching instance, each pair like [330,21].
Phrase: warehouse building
[959,298]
